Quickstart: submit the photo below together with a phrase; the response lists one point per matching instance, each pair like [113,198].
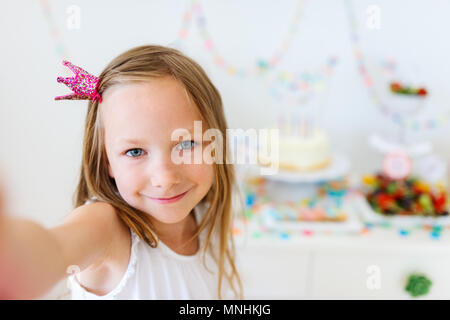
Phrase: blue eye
[187,144]
[134,153]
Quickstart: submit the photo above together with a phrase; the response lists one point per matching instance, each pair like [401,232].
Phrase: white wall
[40,139]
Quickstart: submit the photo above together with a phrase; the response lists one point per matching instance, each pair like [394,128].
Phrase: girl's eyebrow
[138,141]
[129,141]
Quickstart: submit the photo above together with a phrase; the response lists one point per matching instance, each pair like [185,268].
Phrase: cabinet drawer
[273,274]
[357,275]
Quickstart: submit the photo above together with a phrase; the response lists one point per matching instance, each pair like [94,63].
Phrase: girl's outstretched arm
[34,259]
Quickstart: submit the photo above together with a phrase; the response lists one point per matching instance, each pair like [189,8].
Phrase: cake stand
[338,168]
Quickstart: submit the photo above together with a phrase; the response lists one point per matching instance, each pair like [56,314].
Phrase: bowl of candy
[405,99]
[405,201]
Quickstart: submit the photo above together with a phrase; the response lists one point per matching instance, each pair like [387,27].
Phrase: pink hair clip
[83,84]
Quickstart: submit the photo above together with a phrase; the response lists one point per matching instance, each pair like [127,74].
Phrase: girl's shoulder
[94,212]
[114,261]
[105,213]
[97,208]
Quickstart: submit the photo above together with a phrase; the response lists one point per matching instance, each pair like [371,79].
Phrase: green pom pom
[418,285]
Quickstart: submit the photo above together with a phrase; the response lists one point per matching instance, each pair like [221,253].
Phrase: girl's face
[138,122]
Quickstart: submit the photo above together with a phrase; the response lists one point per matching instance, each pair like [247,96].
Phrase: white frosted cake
[299,152]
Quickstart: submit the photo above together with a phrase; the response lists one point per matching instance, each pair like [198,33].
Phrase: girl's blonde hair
[141,64]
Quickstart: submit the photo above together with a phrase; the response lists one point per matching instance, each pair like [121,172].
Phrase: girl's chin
[170,218]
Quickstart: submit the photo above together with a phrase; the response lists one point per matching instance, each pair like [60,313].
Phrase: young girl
[144,227]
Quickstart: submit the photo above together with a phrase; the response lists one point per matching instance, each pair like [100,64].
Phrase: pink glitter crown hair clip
[83,84]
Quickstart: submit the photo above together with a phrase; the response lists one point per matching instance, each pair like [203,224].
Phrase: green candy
[377,208]
[391,188]
[411,90]
[418,285]
[426,202]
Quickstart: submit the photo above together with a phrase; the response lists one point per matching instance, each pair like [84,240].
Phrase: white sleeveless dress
[161,273]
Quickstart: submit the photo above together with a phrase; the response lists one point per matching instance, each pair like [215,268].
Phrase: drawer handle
[418,285]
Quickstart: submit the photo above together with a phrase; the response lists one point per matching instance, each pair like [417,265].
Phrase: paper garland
[195,10]
[60,48]
[305,84]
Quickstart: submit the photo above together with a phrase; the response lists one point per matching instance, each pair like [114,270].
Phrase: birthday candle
[302,128]
[306,128]
[289,128]
[281,124]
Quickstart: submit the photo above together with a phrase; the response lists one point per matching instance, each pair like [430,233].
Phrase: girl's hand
[4,265]
[2,218]
[9,285]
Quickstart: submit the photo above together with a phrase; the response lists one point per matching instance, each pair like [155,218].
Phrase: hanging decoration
[299,88]
[60,47]
[300,97]
[400,118]
[195,12]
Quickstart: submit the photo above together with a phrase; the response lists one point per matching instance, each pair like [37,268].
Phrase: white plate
[352,224]
[369,215]
[339,166]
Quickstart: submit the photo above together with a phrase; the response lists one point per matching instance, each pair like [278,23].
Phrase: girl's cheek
[127,175]
[202,172]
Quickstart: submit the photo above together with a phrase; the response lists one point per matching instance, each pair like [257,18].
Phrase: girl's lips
[169,200]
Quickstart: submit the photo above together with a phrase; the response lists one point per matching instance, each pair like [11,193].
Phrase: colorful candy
[409,196]
[325,206]
[398,88]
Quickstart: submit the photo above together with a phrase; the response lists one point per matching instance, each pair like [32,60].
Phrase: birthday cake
[299,151]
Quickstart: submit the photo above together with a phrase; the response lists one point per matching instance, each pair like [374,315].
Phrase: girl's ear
[110,172]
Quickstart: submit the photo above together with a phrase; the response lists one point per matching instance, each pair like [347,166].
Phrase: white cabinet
[274,274]
[375,266]
[376,275]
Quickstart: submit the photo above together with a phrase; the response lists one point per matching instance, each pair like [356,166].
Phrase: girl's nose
[164,173]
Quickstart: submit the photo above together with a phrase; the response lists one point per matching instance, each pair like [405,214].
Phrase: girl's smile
[165,200]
